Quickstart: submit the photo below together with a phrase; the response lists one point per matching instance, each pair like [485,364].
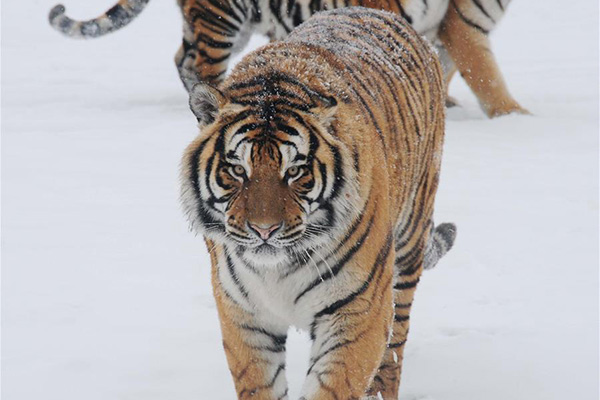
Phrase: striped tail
[440,241]
[114,19]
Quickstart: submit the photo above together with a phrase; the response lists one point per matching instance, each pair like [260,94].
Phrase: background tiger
[313,182]
[214,30]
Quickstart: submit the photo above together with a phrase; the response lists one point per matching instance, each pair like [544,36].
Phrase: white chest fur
[280,297]
[277,296]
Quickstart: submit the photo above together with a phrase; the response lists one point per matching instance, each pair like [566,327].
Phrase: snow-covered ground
[106,295]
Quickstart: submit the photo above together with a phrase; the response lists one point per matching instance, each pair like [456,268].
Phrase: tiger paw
[505,109]
[451,102]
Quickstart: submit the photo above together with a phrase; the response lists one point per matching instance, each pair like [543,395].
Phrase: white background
[106,295]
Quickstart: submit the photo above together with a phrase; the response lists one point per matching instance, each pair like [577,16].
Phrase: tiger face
[260,177]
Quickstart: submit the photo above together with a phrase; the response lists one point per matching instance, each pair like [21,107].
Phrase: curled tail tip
[447,231]
[70,27]
[441,242]
[112,20]
[56,12]
[60,22]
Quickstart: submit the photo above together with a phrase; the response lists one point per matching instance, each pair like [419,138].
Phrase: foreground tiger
[214,30]
[313,182]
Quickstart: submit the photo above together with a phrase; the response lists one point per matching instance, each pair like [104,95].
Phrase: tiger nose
[265,230]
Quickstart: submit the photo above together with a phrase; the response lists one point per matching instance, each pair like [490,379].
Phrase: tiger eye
[293,171]
[239,170]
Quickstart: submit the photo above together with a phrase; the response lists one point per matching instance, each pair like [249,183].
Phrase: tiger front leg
[211,33]
[350,338]
[255,351]
[449,69]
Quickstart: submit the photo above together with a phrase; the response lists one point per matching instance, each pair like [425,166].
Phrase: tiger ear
[326,112]
[205,102]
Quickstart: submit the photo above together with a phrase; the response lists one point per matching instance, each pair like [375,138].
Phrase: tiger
[313,181]
[215,30]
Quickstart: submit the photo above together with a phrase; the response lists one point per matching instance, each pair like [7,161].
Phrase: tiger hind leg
[408,268]
[464,33]
[409,264]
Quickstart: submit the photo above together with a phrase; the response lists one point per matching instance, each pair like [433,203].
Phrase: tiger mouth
[265,249]
[271,246]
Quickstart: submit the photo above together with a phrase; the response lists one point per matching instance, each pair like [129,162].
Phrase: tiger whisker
[327,264]
[316,266]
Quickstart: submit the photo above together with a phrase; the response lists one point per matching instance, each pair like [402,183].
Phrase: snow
[106,294]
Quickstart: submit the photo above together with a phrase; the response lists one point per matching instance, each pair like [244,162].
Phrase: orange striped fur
[313,181]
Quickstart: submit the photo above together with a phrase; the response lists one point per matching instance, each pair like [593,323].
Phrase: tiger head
[267,176]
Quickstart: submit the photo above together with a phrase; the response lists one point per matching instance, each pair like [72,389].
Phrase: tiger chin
[313,182]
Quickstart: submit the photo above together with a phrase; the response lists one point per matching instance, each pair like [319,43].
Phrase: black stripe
[483,10]
[270,349]
[396,345]
[212,60]
[249,393]
[406,285]
[242,8]
[340,264]
[215,29]
[379,263]
[401,318]
[208,17]
[225,7]
[329,350]
[418,211]
[203,215]
[409,262]
[276,12]
[404,14]
[468,21]
[237,235]
[297,18]
[118,16]
[256,11]
[234,277]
